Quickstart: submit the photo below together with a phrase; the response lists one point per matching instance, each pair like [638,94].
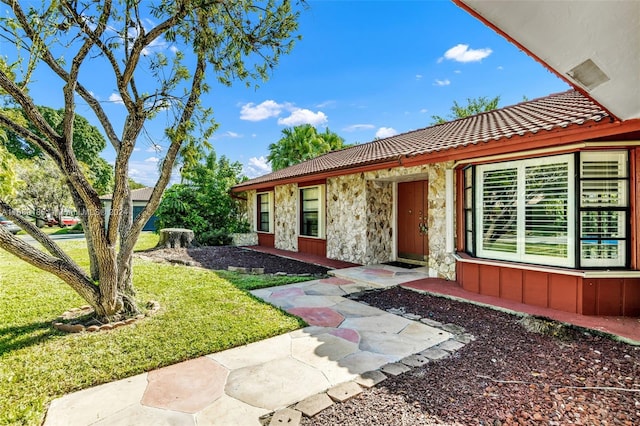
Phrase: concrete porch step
[360,278]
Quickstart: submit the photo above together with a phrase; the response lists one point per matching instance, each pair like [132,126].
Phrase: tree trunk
[175,238]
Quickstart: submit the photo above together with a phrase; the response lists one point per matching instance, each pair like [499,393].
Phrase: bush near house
[203,203]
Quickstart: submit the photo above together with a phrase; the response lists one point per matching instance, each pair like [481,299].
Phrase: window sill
[310,237]
[600,273]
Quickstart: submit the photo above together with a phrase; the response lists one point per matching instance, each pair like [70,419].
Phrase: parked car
[9,225]
[70,220]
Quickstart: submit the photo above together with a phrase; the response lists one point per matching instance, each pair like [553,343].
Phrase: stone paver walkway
[343,343]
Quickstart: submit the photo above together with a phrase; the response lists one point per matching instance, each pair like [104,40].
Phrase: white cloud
[228,134]
[174,49]
[423,110]
[154,148]
[152,160]
[357,127]
[441,83]
[418,76]
[304,116]
[115,98]
[267,109]
[457,72]
[462,53]
[500,68]
[326,104]
[386,132]
[257,166]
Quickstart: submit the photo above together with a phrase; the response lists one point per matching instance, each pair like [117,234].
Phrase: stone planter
[244,239]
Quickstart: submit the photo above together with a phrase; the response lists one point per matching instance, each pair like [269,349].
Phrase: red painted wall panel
[535,289]
[490,280]
[266,240]
[511,284]
[563,292]
[313,246]
[631,301]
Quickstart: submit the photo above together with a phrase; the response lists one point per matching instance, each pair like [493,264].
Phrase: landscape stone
[395,369]
[431,322]
[452,328]
[344,391]
[415,361]
[413,317]
[370,378]
[434,353]
[314,404]
[286,416]
[450,345]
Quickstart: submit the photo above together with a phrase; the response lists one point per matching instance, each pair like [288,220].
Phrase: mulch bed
[221,257]
[507,376]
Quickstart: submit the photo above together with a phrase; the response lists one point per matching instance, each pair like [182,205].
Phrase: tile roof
[544,114]
[142,194]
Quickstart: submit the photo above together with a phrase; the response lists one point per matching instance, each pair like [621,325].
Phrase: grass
[201,312]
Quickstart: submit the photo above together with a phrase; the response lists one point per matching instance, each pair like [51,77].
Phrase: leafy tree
[66,43]
[301,143]
[474,106]
[136,185]
[88,142]
[42,188]
[203,203]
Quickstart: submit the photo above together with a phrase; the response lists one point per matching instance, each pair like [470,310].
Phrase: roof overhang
[593,45]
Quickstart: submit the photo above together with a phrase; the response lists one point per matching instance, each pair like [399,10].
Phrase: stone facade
[244,239]
[285,217]
[251,208]
[360,216]
[379,222]
[346,218]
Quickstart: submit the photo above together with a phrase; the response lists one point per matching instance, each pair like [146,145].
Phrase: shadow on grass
[18,337]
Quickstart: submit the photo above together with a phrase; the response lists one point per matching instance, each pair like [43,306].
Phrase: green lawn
[201,312]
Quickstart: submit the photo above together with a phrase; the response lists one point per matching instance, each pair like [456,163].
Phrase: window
[603,208]
[264,207]
[543,211]
[312,211]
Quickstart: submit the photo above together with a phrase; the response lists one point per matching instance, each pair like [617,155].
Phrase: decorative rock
[450,345]
[280,274]
[257,271]
[344,391]
[465,338]
[434,353]
[415,361]
[395,369]
[93,328]
[237,269]
[286,416]
[431,322]
[105,327]
[314,404]
[412,317]
[370,378]
[75,328]
[130,320]
[396,311]
[452,328]
[118,324]
[140,316]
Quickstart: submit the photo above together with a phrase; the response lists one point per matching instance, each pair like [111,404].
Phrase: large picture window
[543,211]
[264,208]
[312,211]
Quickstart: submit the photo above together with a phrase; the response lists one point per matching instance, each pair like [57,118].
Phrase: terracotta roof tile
[544,114]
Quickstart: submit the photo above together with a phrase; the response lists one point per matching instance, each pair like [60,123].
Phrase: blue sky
[365,69]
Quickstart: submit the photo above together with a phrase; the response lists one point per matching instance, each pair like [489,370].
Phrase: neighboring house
[140,198]
[536,202]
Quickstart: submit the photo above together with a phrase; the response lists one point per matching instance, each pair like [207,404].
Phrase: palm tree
[301,143]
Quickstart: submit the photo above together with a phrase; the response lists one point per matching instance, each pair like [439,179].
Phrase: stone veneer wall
[286,217]
[441,263]
[346,228]
[251,205]
[379,222]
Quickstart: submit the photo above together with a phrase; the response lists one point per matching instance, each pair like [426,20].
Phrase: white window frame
[271,212]
[321,211]
[520,255]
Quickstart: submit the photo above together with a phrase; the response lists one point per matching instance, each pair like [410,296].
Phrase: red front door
[413,239]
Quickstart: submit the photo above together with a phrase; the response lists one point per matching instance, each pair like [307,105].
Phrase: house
[537,202]
[140,198]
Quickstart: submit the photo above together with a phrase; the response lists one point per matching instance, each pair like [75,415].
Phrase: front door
[413,239]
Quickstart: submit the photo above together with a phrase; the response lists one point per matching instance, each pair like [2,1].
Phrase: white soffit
[595,45]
